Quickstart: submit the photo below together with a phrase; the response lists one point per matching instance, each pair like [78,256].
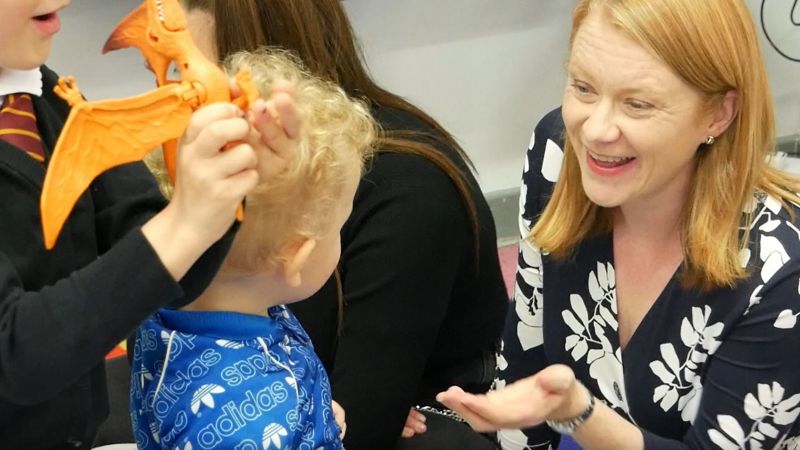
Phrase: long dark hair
[319,32]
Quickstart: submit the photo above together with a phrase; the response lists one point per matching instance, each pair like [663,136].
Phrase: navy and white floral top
[713,370]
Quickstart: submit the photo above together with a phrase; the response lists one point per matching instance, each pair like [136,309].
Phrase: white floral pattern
[529,307]
[680,380]
[768,409]
[788,443]
[590,335]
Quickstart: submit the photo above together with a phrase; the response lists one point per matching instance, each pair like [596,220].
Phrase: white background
[487,69]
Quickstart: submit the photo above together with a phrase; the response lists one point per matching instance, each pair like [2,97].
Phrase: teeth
[610,159]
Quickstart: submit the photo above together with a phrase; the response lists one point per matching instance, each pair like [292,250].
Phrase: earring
[710,140]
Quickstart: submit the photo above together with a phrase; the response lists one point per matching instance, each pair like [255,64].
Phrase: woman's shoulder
[771,218]
[392,172]
[406,190]
[402,124]
[773,252]
[543,161]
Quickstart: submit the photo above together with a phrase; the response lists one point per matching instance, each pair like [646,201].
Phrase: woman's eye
[581,88]
[637,105]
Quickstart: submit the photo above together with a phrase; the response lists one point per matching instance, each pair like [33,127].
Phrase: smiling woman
[659,271]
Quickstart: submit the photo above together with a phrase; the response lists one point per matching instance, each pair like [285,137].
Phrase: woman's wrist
[576,400]
[576,410]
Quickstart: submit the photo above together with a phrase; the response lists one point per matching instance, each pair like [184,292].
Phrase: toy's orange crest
[101,135]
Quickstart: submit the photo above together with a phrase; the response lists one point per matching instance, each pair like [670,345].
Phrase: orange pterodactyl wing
[104,135]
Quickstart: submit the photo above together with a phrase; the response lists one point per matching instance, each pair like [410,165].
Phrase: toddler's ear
[295,258]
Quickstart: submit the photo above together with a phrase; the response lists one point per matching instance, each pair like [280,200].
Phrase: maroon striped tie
[18,125]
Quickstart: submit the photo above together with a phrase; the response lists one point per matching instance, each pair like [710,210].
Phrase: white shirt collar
[28,81]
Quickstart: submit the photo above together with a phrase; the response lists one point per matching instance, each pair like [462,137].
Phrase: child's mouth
[48,23]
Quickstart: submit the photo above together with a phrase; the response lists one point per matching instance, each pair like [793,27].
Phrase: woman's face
[634,124]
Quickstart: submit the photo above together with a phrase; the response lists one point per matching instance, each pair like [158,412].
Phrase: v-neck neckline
[657,304]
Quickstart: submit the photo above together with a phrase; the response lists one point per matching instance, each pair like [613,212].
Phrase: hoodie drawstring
[166,364]
[284,367]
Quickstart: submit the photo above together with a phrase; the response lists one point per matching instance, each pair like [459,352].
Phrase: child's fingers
[259,113]
[415,423]
[235,159]
[215,135]
[207,115]
[241,183]
[288,114]
[235,171]
[416,418]
[274,133]
[234,87]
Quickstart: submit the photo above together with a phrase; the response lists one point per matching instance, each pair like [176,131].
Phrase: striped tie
[18,125]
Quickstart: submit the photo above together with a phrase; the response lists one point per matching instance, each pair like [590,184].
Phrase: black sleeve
[127,197]
[403,250]
[67,328]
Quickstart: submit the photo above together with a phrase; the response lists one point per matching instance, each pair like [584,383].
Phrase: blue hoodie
[227,380]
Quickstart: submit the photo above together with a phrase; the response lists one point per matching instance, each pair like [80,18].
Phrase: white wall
[783,73]
[86,25]
[487,69]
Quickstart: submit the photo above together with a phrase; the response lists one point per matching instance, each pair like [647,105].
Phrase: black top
[421,313]
[62,310]
[710,370]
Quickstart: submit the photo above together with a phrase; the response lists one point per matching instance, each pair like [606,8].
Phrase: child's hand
[210,184]
[277,125]
[338,414]
[415,424]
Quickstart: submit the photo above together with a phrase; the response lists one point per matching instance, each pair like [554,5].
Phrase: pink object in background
[508,265]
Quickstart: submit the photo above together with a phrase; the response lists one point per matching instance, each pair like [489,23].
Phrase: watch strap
[568,427]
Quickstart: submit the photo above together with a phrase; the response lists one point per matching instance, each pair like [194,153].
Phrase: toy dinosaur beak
[136,31]
[131,32]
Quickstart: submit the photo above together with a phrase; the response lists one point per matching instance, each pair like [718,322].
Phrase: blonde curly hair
[336,138]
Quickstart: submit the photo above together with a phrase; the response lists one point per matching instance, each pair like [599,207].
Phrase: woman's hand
[338,415]
[415,424]
[551,394]
[277,126]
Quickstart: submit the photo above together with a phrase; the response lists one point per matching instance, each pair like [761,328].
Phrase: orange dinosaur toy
[98,136]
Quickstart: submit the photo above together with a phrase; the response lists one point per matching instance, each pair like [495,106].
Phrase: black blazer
[62,310]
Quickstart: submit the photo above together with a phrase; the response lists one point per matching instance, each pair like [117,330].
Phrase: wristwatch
[568,427]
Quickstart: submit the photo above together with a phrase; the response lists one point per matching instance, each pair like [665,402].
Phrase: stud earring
[710,140]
